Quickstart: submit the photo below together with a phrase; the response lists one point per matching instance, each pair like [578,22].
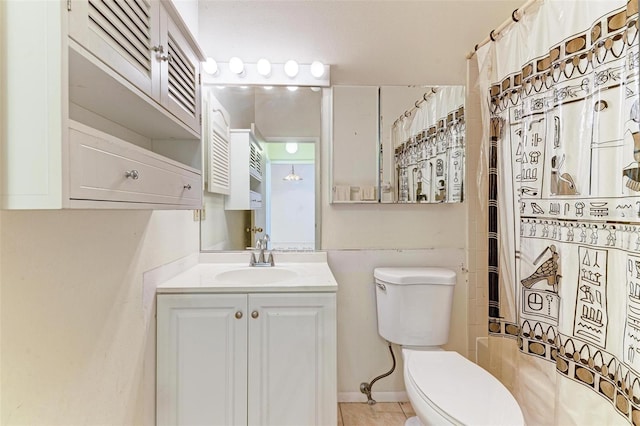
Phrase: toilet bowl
[447,389]
[444,388]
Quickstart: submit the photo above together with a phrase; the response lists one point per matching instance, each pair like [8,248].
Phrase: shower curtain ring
[513,16]
[475,49]
[491,35]
[417,104]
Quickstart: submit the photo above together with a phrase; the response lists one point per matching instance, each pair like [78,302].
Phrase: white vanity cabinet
[82,75]
[246,359]
[247,162]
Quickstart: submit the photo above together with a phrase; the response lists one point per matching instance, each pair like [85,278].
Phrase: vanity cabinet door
[202,359]
[292,359]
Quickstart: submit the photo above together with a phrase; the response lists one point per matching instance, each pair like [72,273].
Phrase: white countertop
[312,274]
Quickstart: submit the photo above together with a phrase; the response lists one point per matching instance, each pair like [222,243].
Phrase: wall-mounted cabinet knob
[132,174]
[255,314]
[239,314]
[187,187]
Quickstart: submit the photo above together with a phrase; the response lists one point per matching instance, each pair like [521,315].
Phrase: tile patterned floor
[380,414]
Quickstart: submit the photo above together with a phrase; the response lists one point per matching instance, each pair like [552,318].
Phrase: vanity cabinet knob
[239,314]
[255,314]
[187,187]
[133,174]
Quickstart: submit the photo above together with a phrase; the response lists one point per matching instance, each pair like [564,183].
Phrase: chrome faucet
[261,244]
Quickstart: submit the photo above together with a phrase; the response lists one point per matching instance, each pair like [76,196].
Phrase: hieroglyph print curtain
[429,149]
[562,117]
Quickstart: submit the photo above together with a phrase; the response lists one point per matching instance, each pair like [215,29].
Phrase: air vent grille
[125,25]
[182,78]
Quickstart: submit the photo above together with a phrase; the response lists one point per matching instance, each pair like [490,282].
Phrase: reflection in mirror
[422,144]
[271,138]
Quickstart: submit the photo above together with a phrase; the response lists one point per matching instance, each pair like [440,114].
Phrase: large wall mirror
[398,144]
[271,136]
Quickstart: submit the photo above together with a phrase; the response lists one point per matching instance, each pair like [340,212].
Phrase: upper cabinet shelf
[128,70]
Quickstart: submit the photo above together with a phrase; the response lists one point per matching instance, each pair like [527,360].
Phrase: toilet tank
[414,304]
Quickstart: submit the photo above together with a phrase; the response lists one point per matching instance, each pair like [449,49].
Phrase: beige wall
[78,328]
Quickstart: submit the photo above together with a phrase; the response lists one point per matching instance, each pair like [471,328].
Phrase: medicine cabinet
[398,144]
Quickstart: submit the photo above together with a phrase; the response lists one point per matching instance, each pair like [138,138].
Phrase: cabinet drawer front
[111,170]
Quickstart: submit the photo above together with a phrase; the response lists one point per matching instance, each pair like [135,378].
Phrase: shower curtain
[563,153]
[428,147]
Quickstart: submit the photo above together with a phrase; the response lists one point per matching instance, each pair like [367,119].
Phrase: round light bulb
[211,66]
[264,67]
[317,69]
[268,87]
[315,89]
[236,65]
[292,88]
[291,147]
[291,68]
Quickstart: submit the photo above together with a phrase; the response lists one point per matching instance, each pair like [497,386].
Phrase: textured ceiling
[366,42]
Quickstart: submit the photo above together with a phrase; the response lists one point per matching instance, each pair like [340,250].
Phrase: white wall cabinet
[246,359]
[124,71]
[247,161]
[142,42]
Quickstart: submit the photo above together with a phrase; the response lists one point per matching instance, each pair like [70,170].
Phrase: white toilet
[414,311]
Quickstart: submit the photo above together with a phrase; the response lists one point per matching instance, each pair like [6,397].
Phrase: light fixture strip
[277,77]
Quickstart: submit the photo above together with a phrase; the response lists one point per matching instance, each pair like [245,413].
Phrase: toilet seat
[458,390]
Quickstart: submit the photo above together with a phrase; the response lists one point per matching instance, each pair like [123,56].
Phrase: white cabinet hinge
[68,5]
[201,119]
[199,78]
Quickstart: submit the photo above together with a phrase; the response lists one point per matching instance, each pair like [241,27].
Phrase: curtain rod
[516,15]
[416,105]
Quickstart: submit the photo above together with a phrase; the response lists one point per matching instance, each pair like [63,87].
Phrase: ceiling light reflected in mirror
[291,147]
[292,176]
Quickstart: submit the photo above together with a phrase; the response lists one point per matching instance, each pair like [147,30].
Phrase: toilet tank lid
[415,275]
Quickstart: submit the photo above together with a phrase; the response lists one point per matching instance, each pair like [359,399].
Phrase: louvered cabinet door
[180,75]
[123,35]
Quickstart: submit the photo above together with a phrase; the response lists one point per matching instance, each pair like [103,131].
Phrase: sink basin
[256,275]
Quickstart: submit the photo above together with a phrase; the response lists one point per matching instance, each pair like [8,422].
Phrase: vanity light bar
[277,76]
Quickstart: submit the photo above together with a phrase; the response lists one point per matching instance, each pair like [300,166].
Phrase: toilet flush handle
[381,286]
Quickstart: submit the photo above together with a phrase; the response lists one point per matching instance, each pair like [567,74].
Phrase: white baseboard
[377,396]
